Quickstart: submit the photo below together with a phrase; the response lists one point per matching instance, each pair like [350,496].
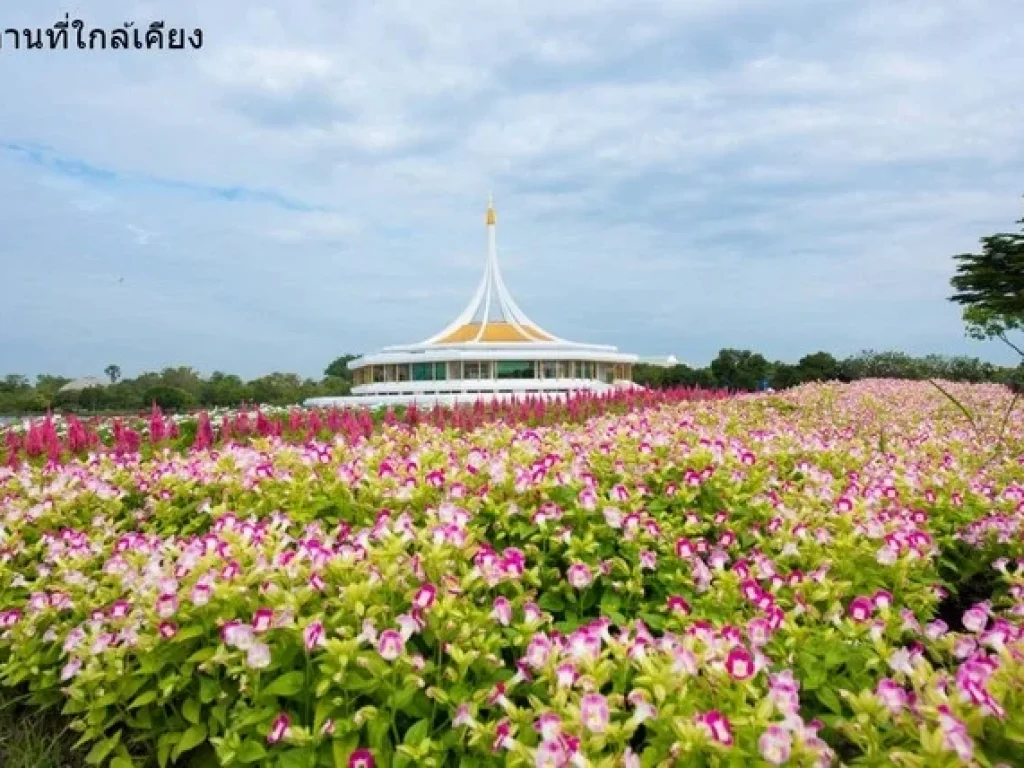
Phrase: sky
[670,176]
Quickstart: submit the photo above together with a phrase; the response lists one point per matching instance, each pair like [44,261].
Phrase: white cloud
[676,176]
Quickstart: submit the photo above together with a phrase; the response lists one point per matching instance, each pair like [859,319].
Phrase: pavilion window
[402,372]
[549,369]
[514,369]
[471,370]
[439,372]
[422,371]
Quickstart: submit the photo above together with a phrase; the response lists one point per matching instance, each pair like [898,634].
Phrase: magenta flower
[168,629]
[892,695]
[678,605]
[717,726]
[861,609]
[594,712]
[279,728]
[425,597]
[313,635]
[262,620]
[166,606]
[361,758]
[975,620]
[390,645]
[740,663]
[776,744]
[579,576]
[502,611]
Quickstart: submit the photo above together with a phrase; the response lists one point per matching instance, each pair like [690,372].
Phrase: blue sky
[671,176]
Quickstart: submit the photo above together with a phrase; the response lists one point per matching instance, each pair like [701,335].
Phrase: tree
[113,372]
[819,366]
[740,369]
[339,367]
[990,287]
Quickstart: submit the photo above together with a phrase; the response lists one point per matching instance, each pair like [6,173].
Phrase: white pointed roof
[492,315]
[492,321]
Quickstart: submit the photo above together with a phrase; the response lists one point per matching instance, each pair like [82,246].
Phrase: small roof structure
[86,382]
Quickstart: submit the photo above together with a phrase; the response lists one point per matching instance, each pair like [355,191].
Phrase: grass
[30,738]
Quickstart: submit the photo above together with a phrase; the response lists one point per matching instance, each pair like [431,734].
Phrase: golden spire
[492,217]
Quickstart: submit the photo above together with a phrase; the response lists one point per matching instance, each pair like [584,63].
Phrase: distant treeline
[736,369]
[743,370]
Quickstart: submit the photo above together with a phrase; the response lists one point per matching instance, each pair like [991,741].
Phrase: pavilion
[492,350]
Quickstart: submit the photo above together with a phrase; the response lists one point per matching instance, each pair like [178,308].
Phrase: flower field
[828,576]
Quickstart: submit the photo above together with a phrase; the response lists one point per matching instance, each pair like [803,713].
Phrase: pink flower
[594,712]
[892,695]
[739,663]
[677,604]
[566,674]
[313,635]
[551,753]
[717,726]
[776,745]
[168,629]
[579,576]
[390,645]
[548,725]
[502,736]
[861,609]
[166,606]
[201,594]
[975,620]
[502,611]
[648,560]
[278,728]
[361,758]
[538,651]
[262,620]
[120,609]
[258,656]
[425,596]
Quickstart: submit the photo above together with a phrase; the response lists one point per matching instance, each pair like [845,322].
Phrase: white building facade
[491,351]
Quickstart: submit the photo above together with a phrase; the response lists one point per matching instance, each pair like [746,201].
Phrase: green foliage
[990,287]
[169,398]
[339,368]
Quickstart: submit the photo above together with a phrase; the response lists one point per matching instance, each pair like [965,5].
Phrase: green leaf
[192,710]
[417,732]
[378,734]
[144,698]
[251,751]
[208,689]
[295,758]
[551,601]
[828,697]
[190,739]
[122,762]
[286,685]
[101,749]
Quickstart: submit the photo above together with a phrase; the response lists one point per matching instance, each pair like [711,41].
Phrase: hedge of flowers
[57,437]
[832,575]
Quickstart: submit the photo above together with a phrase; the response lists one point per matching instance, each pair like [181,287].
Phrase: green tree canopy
[990,287]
